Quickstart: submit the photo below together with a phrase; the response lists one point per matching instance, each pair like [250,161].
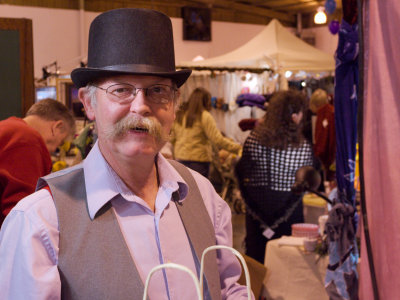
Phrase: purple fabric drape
[381,136]
[346,88]
[341,280]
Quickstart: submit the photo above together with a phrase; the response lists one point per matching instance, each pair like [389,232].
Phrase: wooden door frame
[24,27]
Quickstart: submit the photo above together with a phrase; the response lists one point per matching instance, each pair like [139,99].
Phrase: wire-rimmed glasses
[125,93]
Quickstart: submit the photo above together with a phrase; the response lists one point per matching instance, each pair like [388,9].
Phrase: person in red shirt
[324,136]
[25,147]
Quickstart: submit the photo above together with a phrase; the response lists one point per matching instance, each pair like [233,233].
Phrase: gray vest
[94,261]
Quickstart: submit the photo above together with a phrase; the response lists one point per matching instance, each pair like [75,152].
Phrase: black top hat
[130,41]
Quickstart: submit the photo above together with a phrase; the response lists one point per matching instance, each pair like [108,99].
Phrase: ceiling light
[320,16]
[198,58]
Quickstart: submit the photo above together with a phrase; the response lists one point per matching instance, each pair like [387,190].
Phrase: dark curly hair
[277,129]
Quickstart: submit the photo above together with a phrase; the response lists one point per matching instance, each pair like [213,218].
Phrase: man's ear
[177,102]
[178,94]
[86,100]
[59,125]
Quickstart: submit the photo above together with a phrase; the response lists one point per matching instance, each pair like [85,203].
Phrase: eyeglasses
[125,93]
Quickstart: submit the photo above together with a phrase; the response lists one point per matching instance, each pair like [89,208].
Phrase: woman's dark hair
[199,100]
[277,129]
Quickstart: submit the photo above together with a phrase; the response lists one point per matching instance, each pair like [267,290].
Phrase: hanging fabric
[341,279]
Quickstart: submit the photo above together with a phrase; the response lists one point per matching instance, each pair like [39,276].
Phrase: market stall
[259,66]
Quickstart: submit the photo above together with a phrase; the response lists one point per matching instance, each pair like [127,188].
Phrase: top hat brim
[82,76]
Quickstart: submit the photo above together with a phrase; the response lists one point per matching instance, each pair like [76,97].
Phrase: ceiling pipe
[82,27]
[299,24]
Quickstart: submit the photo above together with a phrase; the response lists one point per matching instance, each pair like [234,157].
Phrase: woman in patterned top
[272,153]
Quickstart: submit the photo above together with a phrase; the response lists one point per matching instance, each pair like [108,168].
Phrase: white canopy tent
[273,48]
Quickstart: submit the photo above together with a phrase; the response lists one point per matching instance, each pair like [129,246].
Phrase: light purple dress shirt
[29,236]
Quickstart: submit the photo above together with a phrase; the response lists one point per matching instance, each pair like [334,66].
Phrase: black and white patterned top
[264,166]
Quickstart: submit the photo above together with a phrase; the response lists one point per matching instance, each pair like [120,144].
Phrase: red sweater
[325,138]
[23,159]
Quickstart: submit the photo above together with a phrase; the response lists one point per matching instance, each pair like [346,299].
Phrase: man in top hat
[95,231]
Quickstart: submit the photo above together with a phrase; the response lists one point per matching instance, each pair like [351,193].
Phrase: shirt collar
[170,178]
[103,184]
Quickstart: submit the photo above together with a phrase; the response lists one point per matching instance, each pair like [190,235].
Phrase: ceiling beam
[256,10]
[241,11]
[299,5]
[276,4]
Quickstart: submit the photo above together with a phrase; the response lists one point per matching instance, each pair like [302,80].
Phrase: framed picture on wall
[196,23]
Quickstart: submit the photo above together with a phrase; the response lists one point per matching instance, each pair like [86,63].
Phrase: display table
[313,207]
[293,274]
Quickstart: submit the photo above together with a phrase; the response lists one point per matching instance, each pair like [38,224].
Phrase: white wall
[225,37]
[324,40]
[57,36]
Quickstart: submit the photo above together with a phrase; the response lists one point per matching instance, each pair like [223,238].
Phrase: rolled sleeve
[29,250]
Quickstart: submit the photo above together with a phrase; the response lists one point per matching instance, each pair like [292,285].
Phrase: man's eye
[120,91]
[159,90]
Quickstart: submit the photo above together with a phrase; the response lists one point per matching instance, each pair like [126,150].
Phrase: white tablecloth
[293,274]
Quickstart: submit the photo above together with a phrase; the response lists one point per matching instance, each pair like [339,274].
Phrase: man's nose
[139,104]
